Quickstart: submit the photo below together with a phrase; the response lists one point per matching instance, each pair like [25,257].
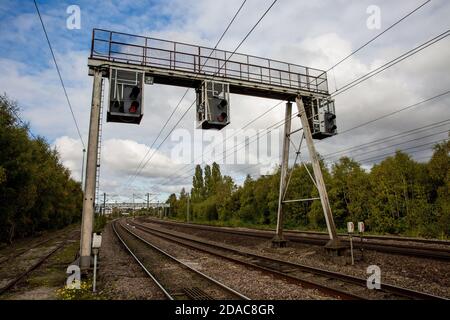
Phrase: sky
[311,33]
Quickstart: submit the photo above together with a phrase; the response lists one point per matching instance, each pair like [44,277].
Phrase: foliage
[100,222]
[397,196]
[36,191]
[83,293]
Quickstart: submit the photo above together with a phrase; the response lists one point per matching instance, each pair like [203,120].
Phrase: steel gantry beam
[186,65]
[181,64]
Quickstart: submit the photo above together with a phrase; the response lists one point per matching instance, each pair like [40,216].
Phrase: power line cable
[229,137]
[396,144]
[389,138]
[377,36]
[247,35]
[403,150]
[246,143]
[59,74]
[391,63]
[187,90]
[240,44]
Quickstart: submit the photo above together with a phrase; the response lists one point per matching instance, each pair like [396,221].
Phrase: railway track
[23,251]
[336,284]
[17,278]
[392,245]
[176,279]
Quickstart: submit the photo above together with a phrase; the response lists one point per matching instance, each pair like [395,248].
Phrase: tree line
[396,196]
[36,190]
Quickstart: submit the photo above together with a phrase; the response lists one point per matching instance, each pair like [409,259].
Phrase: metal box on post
[126,96]
[213,105]
[323,118]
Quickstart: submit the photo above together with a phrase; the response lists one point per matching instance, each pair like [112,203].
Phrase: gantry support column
[334,241]
[91,171]
[278,240]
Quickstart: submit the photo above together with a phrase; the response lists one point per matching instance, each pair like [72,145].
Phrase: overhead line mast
[132,61]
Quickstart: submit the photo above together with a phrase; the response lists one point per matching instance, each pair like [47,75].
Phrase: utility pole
[334,242]
[278,241]
[104,203]
[134,207]
[91,170]
[148,200]
[188,214]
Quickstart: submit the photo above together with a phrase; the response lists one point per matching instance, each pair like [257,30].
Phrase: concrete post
[91,171]
[334,241]
[82,169]
[278,240]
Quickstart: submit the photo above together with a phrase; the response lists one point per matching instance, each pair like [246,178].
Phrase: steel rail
[307,283]
[319,238]
[13,282]
[385,288]
[201,274]
[166,293]
[21,252]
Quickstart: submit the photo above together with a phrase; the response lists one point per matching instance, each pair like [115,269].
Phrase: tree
[247,210]
[172,201]
[216,178]
[438,170]
[398,195]
[198,187]
[36,191]
[208,182]
[397,191]
[349,192]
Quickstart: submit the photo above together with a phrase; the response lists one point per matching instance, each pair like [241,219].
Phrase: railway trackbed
[176,279]
[332,283]
[13,276]
[393,245]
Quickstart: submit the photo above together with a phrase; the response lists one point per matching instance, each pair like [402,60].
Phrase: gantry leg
[278,241]
[91,171]
[334,243]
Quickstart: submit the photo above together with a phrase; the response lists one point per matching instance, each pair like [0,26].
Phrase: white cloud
[312,33]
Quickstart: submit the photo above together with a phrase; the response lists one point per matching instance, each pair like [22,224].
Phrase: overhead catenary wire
[383,140]
[396,144]
[246,143]
[378,35]
[187,90]
[59,74]
[239,45]
[393,137]
[391,63]
[278,124]
[403,150]
[227,138]
[247,35]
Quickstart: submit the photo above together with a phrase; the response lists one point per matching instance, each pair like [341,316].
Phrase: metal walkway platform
[180,64]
